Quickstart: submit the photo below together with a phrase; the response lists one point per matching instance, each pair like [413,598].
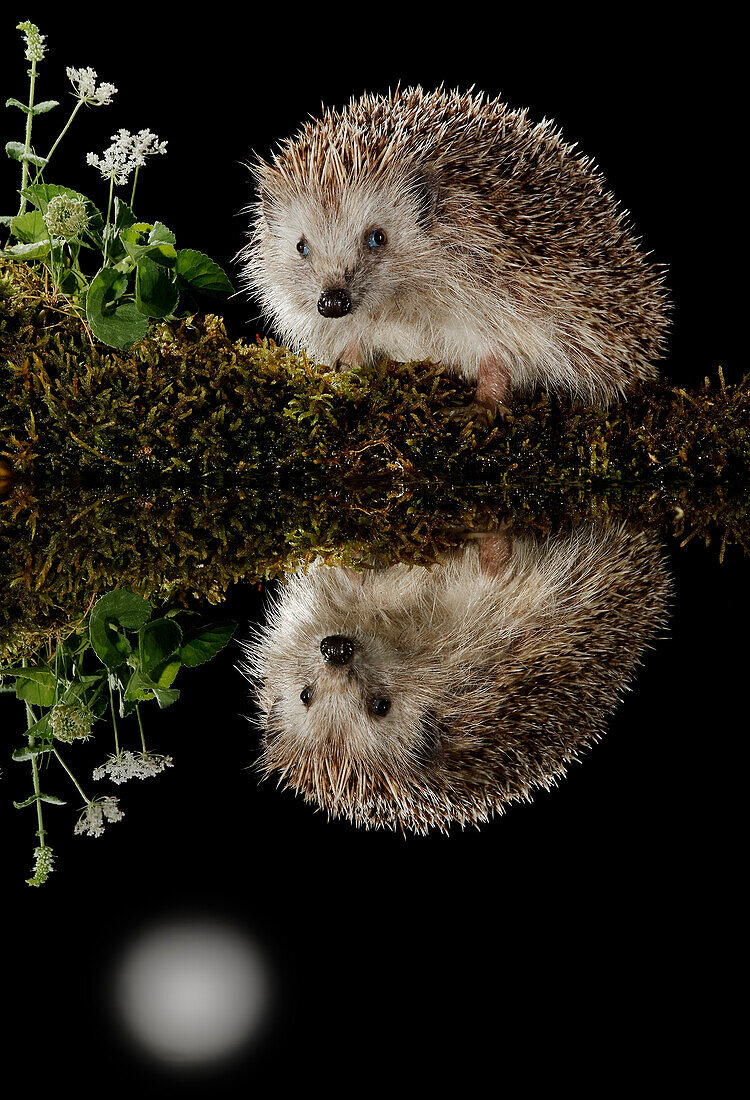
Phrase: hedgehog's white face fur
[408,277]
[413,698]
[447,227]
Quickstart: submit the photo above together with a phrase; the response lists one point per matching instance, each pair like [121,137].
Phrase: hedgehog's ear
[426,189]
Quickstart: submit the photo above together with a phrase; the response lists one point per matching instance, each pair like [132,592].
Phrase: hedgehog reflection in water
[448,227]
[413,698]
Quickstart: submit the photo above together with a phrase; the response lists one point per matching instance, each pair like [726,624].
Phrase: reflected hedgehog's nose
[337,650]
[334,303]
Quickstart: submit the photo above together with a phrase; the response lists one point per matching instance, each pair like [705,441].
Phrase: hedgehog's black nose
[337,650]
[334,303]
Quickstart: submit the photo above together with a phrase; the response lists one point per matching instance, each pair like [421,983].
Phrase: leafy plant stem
[30,720]
[27,143]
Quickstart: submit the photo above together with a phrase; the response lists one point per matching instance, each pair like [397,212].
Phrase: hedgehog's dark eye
[302,247]
[380,706]
[376,238]
[306,696]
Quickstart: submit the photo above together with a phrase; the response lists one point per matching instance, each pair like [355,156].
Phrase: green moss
[188,401]
[196,461]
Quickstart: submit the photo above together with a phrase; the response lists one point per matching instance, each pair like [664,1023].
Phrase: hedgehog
[448,227]
[413,698]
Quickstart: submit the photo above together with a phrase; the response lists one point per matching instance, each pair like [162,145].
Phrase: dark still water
[227,931]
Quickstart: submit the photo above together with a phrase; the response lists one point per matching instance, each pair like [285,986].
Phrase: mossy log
[188,402]
[195,461]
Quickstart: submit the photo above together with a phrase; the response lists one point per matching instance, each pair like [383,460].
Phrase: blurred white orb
[192,992]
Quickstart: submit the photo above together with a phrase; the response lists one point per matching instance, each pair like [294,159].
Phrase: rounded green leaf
[155,292]
[159,640]
[116,611]
[30,227]
[138,243]
[110,645]
[31,251]
[200,273]
[118,324]
[124,607]
[203,644]
[36,686]
[164,674]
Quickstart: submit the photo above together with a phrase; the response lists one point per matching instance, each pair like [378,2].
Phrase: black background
[588,938]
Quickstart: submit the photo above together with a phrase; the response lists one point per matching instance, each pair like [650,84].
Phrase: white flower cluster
[84,83]
[43,864]
[127,152]
[69,721]
[34,52]
[92,820]
[132,765]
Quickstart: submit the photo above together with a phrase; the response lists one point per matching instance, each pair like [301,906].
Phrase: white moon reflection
[192,992]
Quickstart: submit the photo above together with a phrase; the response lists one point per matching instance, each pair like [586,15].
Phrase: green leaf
[29,752]
[36,686]
[110,645]
[161,252]
[42,728]
[117,324]
[155,292]
[30,227]
[40,798]
[27,251]
[41,674]
[116,611]
[37,109]
[27,802]
[165,673]
[158,640]
[200,273]
[15,149]
[161,235]
[124,607]
[142,687]
[166,696]
[203,644]
[123,218]
[107,286]
[126,327]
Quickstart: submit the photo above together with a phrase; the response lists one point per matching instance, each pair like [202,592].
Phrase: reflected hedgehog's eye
[302,247]
[306,696]
[376,238]
[380,706]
